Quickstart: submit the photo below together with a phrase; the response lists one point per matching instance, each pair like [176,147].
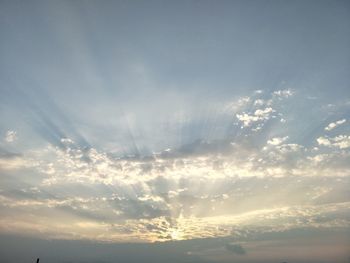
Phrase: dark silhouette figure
[37,260]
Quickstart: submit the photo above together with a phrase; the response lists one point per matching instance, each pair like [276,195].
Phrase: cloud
[333,125]
[235,248]
[284,93]
[243,101]
[5,154]
[324,141]
[255,113]
[11,136]
[263,112]
[259,102]
[107,198]
[340,141]
[277,140]
[247,119]
[290,148]
[184,190]
[14,161]
[86,217]
[258,115]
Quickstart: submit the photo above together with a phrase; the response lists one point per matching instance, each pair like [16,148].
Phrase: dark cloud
[5,154]
[235,248]
[280,246]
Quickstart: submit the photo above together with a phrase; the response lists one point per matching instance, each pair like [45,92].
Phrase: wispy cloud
[277,140]
[340,141]
[333,125]
[284,93]
[11,136]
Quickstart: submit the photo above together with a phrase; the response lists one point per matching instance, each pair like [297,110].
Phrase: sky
[180,131]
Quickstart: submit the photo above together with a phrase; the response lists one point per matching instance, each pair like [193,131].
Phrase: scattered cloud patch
[263,112]
[258,115]
[284,93]
[340,141]
[277,140]
[259,102]
[11,136]
[333,125]
[262,108]
[244,100]
[324,141]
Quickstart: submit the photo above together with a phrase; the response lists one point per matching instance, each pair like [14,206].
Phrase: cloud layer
[216,187]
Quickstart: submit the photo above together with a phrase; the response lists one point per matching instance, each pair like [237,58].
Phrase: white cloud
[15,163]
[243,101]
[263,113]
[340,141]
[277,140]
[247,119]
[284,93]
[323,141]
[259,115]
[333,125]
[11,136]
[290,148]
[259,102]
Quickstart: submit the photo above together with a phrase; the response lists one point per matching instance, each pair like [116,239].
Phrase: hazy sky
[192,131]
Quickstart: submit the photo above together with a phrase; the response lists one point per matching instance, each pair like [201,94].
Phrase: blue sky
[223,124]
